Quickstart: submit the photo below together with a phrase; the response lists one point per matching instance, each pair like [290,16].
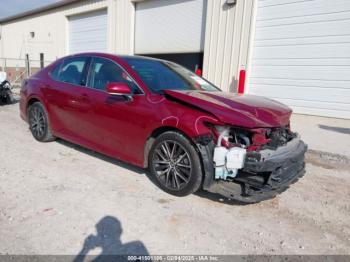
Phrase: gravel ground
[54,197]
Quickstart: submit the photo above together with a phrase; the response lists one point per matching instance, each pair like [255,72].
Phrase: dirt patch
[163,201]
[327,160]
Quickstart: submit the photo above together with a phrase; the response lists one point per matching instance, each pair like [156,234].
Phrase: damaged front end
[251,165]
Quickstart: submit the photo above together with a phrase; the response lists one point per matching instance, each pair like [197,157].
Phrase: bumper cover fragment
[265,174]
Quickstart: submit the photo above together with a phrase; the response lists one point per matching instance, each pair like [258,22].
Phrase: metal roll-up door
[170,26]
[88,32]
[301,55]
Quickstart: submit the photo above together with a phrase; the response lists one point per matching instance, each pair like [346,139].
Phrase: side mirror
[119,88]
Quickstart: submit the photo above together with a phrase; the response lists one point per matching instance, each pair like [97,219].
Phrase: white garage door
[170,26]
[301,55]
[88,32]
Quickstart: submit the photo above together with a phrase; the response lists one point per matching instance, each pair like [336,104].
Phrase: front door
[117,121]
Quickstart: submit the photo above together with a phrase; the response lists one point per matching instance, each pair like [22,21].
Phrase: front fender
[192,126]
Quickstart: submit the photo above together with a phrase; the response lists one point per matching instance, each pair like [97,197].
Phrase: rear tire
[39,123]
[175,163]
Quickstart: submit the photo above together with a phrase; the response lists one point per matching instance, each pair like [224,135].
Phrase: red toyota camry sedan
[158,115]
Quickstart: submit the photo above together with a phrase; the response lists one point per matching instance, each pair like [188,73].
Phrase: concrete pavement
[323,134]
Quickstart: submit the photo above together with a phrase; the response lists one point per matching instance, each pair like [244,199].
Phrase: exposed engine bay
[255,164]
[233,144]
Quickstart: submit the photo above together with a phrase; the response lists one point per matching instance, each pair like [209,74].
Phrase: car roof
[113,56]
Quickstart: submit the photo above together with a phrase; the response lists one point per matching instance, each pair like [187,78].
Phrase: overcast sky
[13,7]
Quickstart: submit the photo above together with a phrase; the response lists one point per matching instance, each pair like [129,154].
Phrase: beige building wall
[122,26]
[51,30]
[227,41]
[226,35]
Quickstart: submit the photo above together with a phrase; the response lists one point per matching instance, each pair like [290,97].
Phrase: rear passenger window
[72,71]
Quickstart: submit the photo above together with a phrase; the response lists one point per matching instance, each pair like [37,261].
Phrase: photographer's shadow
[109,231]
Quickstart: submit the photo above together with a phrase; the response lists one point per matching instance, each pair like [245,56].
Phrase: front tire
[175,163]
[38,123]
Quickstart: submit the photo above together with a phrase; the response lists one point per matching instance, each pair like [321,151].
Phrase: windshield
[161,75]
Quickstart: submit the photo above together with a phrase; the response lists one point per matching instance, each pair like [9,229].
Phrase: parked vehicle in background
[158,115]
[6,95]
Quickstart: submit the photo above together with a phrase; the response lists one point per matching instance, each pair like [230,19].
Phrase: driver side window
[104,71]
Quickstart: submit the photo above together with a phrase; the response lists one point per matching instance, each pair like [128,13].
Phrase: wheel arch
[31,101]
[157,132]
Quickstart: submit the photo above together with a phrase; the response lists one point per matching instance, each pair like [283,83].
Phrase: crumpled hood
[239,110]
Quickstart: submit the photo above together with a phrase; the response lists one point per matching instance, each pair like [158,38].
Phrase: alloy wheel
[172,164]
[37,122]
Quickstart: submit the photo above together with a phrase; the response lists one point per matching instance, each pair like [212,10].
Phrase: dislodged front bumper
[265,173]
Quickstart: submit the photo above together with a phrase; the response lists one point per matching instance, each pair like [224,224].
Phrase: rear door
[67,99]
